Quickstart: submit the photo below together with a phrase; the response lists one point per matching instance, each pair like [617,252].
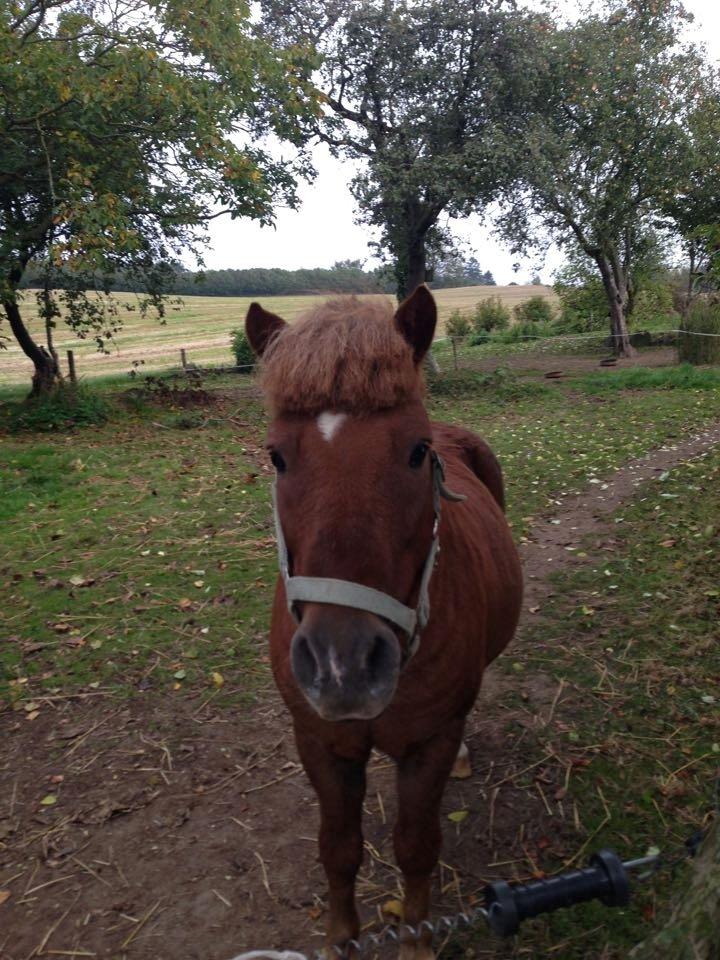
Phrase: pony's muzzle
[345,661]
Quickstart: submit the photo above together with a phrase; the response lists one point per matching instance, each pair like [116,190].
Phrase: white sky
[323,229]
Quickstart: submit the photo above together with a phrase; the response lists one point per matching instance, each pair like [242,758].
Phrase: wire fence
[530,353]
[610,885]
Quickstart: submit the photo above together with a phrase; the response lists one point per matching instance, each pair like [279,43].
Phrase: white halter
[345,593]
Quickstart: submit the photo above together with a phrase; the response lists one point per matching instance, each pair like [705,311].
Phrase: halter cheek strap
[346,593]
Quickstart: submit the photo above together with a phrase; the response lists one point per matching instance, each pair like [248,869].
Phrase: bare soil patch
[569,364]
[178,830]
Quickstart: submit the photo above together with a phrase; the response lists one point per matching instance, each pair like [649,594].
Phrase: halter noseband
[345,593]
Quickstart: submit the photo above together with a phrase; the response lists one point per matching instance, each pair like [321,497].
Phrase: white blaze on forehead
[329,423]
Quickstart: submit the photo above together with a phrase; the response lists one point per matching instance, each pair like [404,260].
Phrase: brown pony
[357,659]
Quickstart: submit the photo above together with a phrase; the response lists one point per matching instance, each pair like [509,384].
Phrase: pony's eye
[277,461]
[418,454]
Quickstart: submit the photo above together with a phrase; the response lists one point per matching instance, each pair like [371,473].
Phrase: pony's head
[350,440]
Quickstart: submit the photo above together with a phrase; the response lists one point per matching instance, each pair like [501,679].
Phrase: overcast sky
[323,229]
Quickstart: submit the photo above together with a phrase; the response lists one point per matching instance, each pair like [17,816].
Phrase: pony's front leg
[340,785]
[421,779]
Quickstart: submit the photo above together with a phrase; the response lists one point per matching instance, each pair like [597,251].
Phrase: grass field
[138,556]
[630,642]
[202,326]
[116,537]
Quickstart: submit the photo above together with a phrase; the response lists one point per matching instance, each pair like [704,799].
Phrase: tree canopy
[418,92]
[606,154]
[694,210]
[124,127]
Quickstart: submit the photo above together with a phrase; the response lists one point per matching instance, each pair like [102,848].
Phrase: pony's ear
[261,327]
[416,318]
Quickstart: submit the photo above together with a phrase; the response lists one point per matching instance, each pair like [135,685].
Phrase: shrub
[66,407]
[703,318]
[490,314]
[654,307]
[526,330]
[535,310]
[242,351]
[583,307]
[458,325]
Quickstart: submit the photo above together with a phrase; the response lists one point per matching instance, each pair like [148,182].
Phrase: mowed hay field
[202,325]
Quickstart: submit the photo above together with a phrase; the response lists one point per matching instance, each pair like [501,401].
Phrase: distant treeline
[345,276]
[342,277]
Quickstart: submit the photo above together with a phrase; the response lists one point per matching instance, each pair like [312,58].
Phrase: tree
[416,91]
[125,126]
[605,155]
[694,210]
[453,270]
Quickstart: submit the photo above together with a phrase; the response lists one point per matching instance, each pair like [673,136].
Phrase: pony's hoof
[462,769]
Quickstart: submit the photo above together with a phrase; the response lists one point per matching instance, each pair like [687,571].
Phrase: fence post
[71,366]
[183,358]
[453,341]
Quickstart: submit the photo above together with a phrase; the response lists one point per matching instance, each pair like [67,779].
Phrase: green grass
[683,377]
[502,385]
[131,510]
[552,445]
[65,407]
[633,635]
[133,555]
[137,555]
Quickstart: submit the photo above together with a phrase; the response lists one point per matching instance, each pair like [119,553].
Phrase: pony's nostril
[305,664]
[379,659]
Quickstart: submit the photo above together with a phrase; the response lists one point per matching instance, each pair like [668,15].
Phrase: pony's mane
[345,355]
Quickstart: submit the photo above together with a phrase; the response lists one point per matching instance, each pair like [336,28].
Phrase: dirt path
[185,833]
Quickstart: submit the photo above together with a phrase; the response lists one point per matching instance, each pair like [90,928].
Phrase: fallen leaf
[4,895]
[457,816]
[393,908]
[77,580]
[179,675]
[48,800]
[185,603]
[667,543]
[217,679]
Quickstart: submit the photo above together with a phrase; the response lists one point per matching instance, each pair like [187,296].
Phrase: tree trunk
[617,296]
[693,930]
[417,265]
[49,312]
[47,374]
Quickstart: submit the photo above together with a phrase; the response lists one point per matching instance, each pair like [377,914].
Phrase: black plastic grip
[604,879]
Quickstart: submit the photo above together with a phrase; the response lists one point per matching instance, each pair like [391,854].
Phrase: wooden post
[183,358]
[71,366]
[453,341]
